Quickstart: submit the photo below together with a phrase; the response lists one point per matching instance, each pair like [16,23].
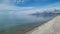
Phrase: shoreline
[46,28]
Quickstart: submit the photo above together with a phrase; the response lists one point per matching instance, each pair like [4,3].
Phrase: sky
[36,3]
[29,5]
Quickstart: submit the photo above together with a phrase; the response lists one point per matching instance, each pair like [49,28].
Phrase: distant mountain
[46,13]
[57,11]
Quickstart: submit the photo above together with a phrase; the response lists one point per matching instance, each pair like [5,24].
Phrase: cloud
[10,7]
[29,10]
[11,1]
[40,10]
[13,9]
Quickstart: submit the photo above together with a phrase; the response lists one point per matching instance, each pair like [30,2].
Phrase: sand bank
[51,27]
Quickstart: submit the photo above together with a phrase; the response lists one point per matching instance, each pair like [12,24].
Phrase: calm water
[11,21]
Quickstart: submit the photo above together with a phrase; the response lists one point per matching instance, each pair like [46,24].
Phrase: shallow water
[8,20]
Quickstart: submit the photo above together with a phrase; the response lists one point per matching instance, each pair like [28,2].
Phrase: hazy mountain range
[46,13]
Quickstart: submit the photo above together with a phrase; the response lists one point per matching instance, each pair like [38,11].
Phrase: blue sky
[31,3]
[36,3]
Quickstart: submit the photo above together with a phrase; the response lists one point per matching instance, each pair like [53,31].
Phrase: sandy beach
[51,27]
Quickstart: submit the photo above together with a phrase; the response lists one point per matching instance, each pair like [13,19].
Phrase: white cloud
[40,10]
[9,7]
[27,10]
[14,9]
[12,1]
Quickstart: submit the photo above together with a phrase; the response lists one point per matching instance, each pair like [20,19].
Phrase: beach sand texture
[51,27]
